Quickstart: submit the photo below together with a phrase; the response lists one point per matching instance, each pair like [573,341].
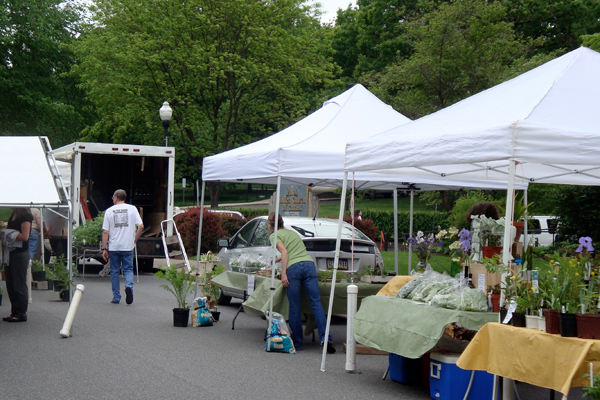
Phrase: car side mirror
[223,242]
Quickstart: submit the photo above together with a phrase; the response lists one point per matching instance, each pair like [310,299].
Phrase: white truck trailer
[146,173]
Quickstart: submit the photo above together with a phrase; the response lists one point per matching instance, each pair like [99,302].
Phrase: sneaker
[128,295]
[115,301]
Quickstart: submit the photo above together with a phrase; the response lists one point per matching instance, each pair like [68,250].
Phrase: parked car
[250,247]
[541,230]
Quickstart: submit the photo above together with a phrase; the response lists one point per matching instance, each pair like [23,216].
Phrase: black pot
[55,285]
[568,324]
[0,299]
[216,315]
[518,319]
[503,312]
[38,276]
[50,284]
[64,295]
[181,316]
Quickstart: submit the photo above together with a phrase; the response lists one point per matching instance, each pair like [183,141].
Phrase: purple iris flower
[585,242]
[465,246]
[464,235]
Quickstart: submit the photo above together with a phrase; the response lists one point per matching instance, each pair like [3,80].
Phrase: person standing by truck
[119,237]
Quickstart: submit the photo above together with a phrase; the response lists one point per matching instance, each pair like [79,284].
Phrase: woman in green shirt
[298,270]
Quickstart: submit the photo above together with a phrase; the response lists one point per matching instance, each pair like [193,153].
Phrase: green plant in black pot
[38,272]
[90,233]
[592,392]
[181,283]
[58,272]
[210,289]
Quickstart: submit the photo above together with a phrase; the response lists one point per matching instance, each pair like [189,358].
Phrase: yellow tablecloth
[391,288]
[531,356]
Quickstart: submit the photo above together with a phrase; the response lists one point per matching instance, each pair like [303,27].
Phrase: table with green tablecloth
[409,328]
[258,302]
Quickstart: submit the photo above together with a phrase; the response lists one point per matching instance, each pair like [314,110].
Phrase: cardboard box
[517,250]
[481,276]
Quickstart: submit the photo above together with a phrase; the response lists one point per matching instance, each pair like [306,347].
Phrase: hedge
[426,221]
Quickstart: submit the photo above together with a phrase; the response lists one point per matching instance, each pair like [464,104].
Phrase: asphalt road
[134,352]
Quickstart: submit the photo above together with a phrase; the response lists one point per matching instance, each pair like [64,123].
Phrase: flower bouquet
[422,246]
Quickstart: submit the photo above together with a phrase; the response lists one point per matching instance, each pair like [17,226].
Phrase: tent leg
[275,228]
[410,228]
[199,238]
[395,191]
[335,266]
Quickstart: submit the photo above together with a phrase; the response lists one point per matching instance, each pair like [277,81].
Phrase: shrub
[426,221]
[464,204]
[231,225]
[250,213]
[364,225]
[212,230]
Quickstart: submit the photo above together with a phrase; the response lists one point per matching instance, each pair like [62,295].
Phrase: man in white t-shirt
[119,237]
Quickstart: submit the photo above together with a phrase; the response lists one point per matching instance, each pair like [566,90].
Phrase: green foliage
[463,204]
[34,39]
[559,23]
[57,271]
[90,233]
[250,213]
[592,392]
[181,283]
[424,221]
[592,41]
[460,48]
[233,71]
[579,212]
[209,288]
[37,266]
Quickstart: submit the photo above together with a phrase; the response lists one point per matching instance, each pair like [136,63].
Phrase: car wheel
[224,300]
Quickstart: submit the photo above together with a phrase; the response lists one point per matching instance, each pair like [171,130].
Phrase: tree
[558,23]
[592,41]
[577,208]
[232,70]
[460,49]
[37,98]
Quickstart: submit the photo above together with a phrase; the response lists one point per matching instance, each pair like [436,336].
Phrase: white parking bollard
[352,291]
[66,329]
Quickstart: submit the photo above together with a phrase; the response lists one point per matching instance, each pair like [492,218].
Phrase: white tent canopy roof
[26,175]
[311,151]
[546,119]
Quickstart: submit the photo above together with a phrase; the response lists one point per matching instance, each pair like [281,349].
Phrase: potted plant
[492,235]
[58,273]
[592,392]
[38,272]
[588,320]
[520,211]
[494,292]
[181,284]
[1,293]
[90,233]
[211,290]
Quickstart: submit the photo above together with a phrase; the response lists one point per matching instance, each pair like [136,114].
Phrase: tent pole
[70,251]
[525,245]
[273,268]
[410,228]
[395,191]
[199,238]
[336,260]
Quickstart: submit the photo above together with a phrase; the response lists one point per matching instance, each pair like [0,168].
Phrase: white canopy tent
[542,126]
[311,152]
[31,176]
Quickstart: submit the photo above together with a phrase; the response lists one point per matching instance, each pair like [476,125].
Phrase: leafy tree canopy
[232,70]
[37,99]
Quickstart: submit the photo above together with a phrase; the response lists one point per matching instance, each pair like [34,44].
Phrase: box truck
[146,173]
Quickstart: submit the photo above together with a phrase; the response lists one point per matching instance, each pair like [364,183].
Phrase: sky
[330,7]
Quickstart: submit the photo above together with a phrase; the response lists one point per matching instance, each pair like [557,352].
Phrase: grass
[333,209]
[440,263]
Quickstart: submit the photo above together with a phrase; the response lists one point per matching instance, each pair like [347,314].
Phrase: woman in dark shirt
[16,271]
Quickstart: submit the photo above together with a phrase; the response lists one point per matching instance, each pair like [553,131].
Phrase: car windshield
[331,231]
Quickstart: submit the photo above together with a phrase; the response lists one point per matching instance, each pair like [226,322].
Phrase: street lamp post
[165,114]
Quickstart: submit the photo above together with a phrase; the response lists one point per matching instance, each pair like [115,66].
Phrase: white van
[541,230]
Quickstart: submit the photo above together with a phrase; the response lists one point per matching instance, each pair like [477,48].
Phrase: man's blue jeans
[120,260]
[304,274]
[34,239]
